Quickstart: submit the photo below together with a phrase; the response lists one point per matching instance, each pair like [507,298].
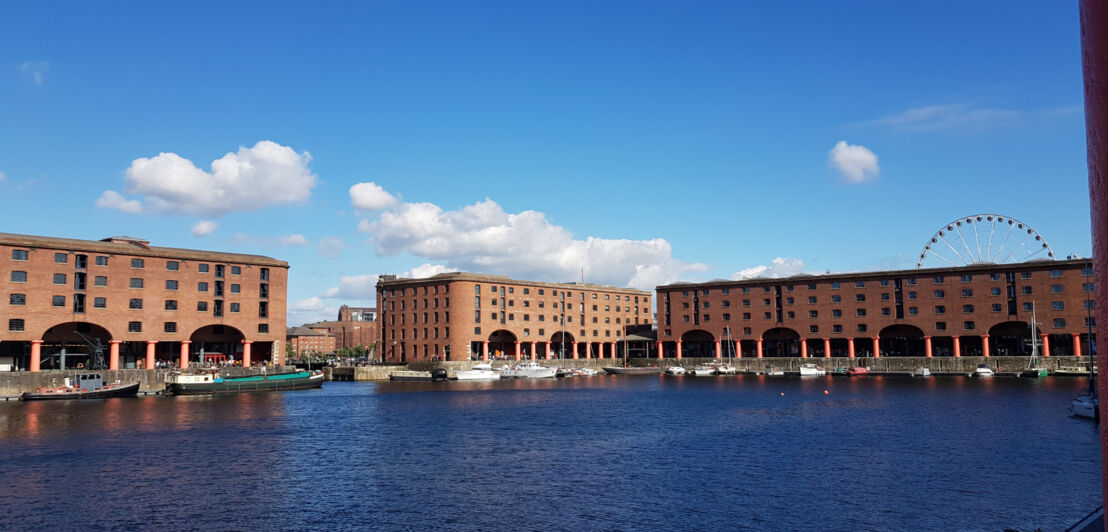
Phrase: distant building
[143,304]
[357,313]
[459,316]
[307,341]
[349,333]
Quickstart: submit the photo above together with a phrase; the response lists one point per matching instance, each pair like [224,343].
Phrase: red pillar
[679,350]
[151,346]
[719,354]
[113,356]
[850,347]
[574,350]
[661,353]
[876,348]
[185,354]
[485,350]
[738,348]
[534,353]
[548,350]
[611,351]
[803,348]
[517,350]
[985,345]
[36,355]
[246,353]
[927,346]
[1046,345]
[1094,51]
[759,351]
[1076,345]
[826,348]
[957,347]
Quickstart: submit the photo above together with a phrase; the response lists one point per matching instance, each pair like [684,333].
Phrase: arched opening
[502,345]
[781,342]
[698,344]
[75,345]
[902,340]
[1010,338]
[561,345]
[220,344]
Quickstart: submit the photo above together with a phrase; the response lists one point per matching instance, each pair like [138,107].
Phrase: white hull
[477,375]
[922,372]
[529,370]
[982,373]
[704,371]
[811,370]
[676,370]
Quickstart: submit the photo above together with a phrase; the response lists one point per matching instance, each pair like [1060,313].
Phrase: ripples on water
[608,453]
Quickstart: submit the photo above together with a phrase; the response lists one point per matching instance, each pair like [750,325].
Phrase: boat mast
[1034,339]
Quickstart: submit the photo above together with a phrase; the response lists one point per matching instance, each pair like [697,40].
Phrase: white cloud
[779,267]
[363,287]
[855,163]
[331,246]
[426,270]
[371,197]
[111,199]
[266,174]
[311,310]
[35,71]
[293,240]
[3,177]
[204,228]
[960,117]
[483,238]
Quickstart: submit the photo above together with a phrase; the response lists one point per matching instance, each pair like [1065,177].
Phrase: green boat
[211,382]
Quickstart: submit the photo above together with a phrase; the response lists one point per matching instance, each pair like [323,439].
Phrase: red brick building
[348,333]
[458,316]
[973,310]
[304,341]
[143,304]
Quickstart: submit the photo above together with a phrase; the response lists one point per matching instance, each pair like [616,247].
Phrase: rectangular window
[264,274]
[861,327]
[813,328]
[912,311]
[172,266]
[61,258]
[134,326]
[1055,273]
[170,284]
[17,299]
[136,282]
[813,313]
[19,254]
[171,304]
[201,287]
[263,309]
[236,270]
[1028,307]
[1088,287]
[263,291]
[1089,305]
[1056,289]
[59,278]
[940,325]
[861,312]
[170,326]
[235,289]
[966,277]
[938,279]
[57,301]
[201,306]
[100,280]
[135,304]
[1059,323]
[202,268]
[219,271]
[1026,290]
[234,307]
[967,308]
[836,313]
[836,298]
[137,263]
[1057,305]
[911,295]
[968,325]
[886,311]
[217,308]
[99,302]
[859,284]
[860,297]
[967,292]
[939,294]
[995,291]
[884,296]
[15,325]
[940,309]
[837,328]
[911,281]
[101,260]
[811,300]
[997,307]
[1025,275]
[263,328]
[835,285]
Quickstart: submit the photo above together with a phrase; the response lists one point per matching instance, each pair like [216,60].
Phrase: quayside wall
[151,380]
[938,365]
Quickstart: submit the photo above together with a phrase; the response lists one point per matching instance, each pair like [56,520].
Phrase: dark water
[602,453]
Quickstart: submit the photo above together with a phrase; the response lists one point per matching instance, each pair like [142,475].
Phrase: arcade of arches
[504,345]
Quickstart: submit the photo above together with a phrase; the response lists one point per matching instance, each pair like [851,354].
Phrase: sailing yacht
[1034,369]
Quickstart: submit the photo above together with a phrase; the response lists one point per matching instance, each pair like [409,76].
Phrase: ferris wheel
[985,239]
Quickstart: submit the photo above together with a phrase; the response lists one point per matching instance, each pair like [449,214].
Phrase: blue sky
[641,142]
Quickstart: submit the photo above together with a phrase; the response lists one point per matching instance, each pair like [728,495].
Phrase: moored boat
[774,371]
[528,370]
[212,382]
[811,370]
[857,371]
[479,372]
[1085,404]
[645,370]
[982,371]
[922,372]
[726,369]
[704,370]
[83,386]
[675,370]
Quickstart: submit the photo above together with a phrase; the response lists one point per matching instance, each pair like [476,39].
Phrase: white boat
[479,372]
[528,370]
[922,372]
[774,372]
[811,370]
[676,370]
[982,371]
[1085,404]
[726,369]
[704,370]
[588,372]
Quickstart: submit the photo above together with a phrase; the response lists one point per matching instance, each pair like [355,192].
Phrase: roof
[302,331]
[489,278]
[125,245]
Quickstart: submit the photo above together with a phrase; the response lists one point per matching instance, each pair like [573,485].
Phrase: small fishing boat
[839,372]
[922,372]
[811,370]
[857,371]
[982,371]
[774,372]
[704,370]
[209,382]
[83,386]
[675,370]
[479,372]
[1085,404]
[529,370]
[588,372]
[726,369]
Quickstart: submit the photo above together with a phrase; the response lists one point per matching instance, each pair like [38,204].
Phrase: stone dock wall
[151,380]
[938,365]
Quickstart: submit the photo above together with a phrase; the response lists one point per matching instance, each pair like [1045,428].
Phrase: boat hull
[1034,373]
[272,383]
[127,390]
[632,371]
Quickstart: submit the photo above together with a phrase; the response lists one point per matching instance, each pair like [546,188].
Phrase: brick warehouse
[459,316]
[144,304]
[971,310]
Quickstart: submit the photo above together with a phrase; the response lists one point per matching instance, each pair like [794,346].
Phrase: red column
[661,353]
[876,348]
[718,353]
[803,348]
[534,353]
[113,357]
[957,347]
[185,354]
[850,347]
[985,345]
[1076,345]
[826,348]
[517,350]
[548,350]
[246,353]
[927,346]
[485,350]
[1046,345]
[759,351]
[36,355]
[738,348]
[611,351]
[679,350]
[574,350]
[151,346]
